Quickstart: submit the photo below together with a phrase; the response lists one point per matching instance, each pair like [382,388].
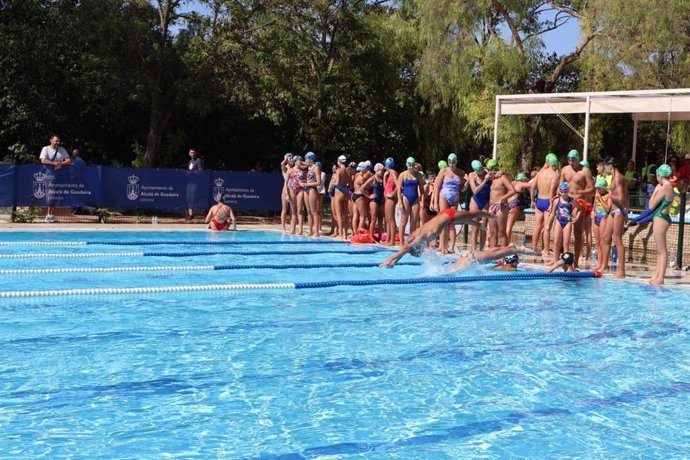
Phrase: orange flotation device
[363,236]
[586,207]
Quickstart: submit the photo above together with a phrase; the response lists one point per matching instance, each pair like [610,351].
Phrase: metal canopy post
[498,111]
[634,150]
[585,148]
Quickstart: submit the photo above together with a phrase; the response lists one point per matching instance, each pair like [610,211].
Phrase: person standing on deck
[581,184]
[615,225]
[56,156]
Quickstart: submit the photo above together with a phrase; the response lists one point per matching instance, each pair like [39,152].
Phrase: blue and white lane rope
[78,255]
[166,242]
[515,276]
[39,271]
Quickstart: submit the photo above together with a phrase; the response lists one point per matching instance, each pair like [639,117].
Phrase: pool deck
[637,273]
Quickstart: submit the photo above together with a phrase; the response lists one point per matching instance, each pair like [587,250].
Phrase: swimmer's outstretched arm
[404,249]
[490,254]
[555,266]
[392,260]
[467,217]
[460,264]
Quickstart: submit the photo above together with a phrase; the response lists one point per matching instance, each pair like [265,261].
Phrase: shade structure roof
[643,105]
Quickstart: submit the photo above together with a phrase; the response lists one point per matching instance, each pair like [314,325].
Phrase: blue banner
[247,191]
[7,182]
[68,186]
[137,188]
[140,188]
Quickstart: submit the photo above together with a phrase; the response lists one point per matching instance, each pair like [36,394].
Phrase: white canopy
[648,105]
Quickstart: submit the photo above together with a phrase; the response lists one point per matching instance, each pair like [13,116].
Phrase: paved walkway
[635,272]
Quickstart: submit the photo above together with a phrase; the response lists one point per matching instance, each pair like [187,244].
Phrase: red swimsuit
[450,212]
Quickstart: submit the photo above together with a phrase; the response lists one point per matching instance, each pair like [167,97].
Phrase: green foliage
[136,82]
[24,215]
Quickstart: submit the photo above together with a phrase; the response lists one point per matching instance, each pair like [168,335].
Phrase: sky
[562,41]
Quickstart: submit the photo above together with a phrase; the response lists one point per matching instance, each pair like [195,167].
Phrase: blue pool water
[525,369]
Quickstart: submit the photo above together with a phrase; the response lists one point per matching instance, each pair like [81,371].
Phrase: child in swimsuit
[602,207]
[409,192]
[566,214]
[218,216]
[602,202]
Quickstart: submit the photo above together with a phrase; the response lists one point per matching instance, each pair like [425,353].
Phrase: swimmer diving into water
[429,231]
[488,255]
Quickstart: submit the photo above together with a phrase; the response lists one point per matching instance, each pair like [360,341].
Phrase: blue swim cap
[297,158]
[389,163]
[564,186]
[452,157]
[310,156]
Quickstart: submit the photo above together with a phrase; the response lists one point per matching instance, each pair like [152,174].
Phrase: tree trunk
[157,125]
[532,142]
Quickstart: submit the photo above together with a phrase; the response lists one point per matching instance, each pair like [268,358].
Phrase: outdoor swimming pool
[541,368]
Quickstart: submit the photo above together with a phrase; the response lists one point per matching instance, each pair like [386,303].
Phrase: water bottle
[614,254]
[154,220]
[594,255]
[522,240]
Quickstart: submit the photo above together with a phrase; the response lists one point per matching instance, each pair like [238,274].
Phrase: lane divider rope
[516,276]
[185,254]
[160,242]
[43,243]
[190,268]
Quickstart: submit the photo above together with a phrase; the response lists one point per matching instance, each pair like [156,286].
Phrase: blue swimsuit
[482,196]
[564,213]
[543,204]
[411,190]
[311,177]
[451,189]
[377,191]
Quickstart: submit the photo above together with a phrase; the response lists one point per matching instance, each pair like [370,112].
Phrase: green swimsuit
[663,204]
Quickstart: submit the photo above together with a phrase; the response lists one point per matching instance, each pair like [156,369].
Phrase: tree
[67,67]
[473,50]
[635,52]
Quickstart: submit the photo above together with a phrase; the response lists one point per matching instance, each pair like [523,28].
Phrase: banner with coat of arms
[138,188]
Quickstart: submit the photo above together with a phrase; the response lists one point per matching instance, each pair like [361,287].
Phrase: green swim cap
[492,164]
[601,183]
[452,157]
[442,164]
[410,161]
[476,165]
[551,159]
[584,163]
[522,177]
[664,170]
[574,154]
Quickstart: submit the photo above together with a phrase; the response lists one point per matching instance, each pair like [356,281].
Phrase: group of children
[376,203]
